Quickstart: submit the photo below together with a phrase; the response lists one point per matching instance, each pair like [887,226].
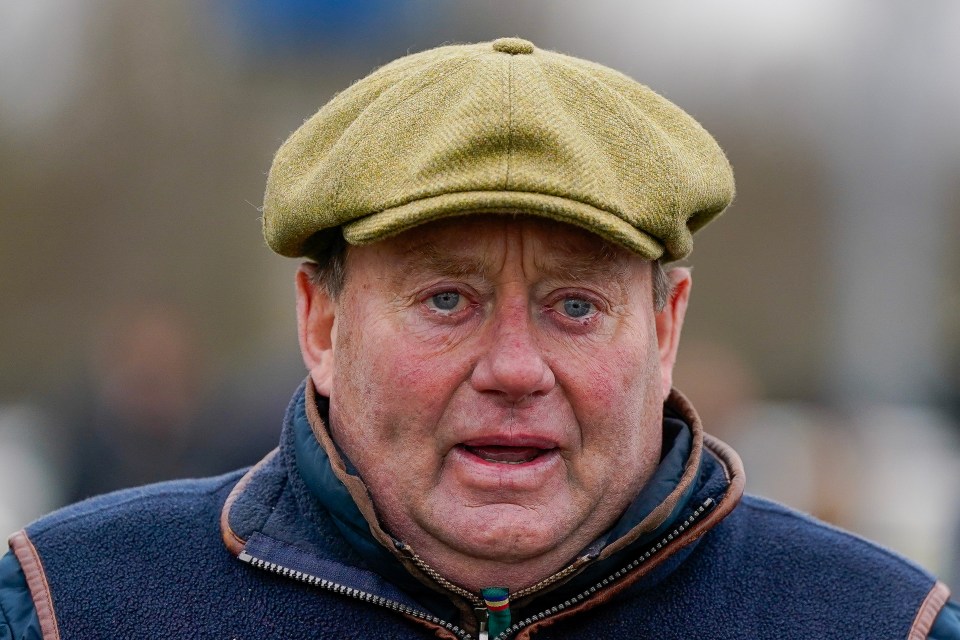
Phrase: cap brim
[607,225]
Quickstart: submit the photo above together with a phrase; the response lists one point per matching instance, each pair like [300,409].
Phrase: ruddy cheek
[429,379]
[594,374]
[424,357]
[610,388]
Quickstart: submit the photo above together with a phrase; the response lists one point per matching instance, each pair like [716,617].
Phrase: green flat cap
[497,127]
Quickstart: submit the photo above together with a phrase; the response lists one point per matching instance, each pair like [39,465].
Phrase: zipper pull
[482,616]
[497,600]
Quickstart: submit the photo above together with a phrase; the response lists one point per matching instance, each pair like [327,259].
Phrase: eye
[445,301]
[578,307]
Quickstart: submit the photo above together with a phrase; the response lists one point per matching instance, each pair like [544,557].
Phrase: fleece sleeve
[18,617]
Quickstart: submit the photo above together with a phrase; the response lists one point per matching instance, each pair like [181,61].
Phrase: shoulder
[774,522]
[772,526]
[165,502]
[776,572]
[777,534]
[803,567]
[105,548]
[158,524]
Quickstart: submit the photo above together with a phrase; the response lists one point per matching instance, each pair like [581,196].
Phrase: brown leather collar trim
[658,516]
[355,486]
[37,582]
[733,467]
[731,463]
[929,611]
[361,497]
[234,542]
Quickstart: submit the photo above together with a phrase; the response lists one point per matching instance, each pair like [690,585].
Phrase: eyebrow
[427,256]
[604,262]
[575,264]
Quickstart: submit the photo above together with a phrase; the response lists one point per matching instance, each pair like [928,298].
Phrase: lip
[474,471]
[505,455]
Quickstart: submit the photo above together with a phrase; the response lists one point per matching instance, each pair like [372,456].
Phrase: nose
[512,364]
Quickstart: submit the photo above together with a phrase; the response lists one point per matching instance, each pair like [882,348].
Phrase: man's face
[498,384]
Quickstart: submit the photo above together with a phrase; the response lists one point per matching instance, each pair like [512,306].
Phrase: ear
[316,328]
[670,322]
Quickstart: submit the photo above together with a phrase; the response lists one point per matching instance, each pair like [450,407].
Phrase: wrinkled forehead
[482,243]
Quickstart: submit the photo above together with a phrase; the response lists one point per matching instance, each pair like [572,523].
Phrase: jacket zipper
[449,626]
[434,575]
[482,617]
[704,506]
[352,593]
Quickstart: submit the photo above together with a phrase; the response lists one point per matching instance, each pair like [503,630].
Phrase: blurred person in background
[137,424]
[143,414]
[487,443]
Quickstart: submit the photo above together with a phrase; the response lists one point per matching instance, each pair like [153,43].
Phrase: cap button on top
[513,46]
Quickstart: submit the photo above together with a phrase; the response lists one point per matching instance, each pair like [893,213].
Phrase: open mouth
[505,455]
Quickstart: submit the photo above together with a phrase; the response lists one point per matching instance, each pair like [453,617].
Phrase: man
[487,444]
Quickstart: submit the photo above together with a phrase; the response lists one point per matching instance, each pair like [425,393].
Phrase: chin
[505,533]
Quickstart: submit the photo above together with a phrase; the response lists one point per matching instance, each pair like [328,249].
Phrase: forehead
[482,243]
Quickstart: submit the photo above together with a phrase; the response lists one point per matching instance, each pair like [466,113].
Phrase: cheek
[611,376]
[614,391]
[423,376]
[391,376]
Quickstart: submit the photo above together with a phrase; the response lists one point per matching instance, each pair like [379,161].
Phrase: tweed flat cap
[496,127]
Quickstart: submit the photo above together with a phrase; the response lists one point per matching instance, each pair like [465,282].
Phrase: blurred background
[146,331]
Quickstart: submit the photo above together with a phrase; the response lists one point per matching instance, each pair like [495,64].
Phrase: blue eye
[577,307]
[446,301]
